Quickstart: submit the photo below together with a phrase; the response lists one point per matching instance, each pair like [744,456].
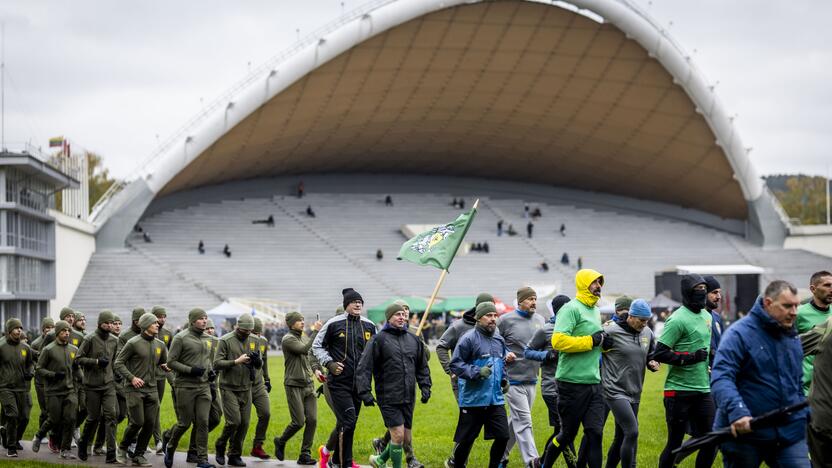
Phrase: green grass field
[434,424]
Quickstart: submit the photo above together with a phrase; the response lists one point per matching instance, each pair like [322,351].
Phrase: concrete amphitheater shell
[587,95]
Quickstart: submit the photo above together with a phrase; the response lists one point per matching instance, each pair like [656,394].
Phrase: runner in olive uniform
[139,362]
[56,365]
[236,360]
[300,391]
[260,389]
[577,337]
[16,371]
[814,313]
[683,345]
[215,413]
[46,326]
[97,355]
[190,359]
[165,336]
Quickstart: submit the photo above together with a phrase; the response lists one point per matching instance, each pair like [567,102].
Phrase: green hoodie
[57,357]
[16,365]
[577,320]
[141,357]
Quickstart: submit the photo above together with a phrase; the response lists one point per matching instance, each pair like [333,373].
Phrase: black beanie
[711,283]
[558,302]
[350,295]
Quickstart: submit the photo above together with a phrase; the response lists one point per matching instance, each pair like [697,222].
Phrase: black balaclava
[693,300]
[712,284]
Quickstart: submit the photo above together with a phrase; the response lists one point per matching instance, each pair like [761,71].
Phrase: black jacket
[395,359]
[343,339]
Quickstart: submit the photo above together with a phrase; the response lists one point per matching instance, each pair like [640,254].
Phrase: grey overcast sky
[117,77]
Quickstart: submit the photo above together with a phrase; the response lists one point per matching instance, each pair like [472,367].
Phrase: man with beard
[813,313]
[818,342]
[121,404]
[97,355]
[478,360]
[215,413]
[338,347]
[56,365]
[517,328]
[577,337]
[684,346]
[46,326]
[395,360]
[16,371]
[235,361]
[449,339]
[190,359]
[139,362]
[712,304]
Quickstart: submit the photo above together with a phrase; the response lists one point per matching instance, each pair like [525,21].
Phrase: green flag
[437,247]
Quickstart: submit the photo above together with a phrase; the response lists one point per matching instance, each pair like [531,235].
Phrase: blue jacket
[758,369]
[474,350]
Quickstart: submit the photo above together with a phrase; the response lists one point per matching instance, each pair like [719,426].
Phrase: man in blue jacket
[479,361]
[758,369]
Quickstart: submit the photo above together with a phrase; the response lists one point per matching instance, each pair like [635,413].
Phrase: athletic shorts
[397,415]
[474,418]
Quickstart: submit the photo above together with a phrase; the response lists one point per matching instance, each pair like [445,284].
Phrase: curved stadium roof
[516,89]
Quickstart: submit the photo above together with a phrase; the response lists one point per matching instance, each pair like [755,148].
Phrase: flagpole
[436,289]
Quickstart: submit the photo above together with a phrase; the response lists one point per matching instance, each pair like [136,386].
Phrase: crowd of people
[88,382]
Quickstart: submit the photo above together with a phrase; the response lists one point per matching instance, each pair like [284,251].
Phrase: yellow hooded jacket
[578,344]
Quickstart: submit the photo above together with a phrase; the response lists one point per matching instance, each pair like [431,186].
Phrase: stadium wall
[74,245]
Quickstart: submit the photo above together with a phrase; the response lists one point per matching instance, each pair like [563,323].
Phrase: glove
[28,376]
[332,366]
[700,355]
[197,371]
[59,376]
[319,391]
[485,372]
[504,386]
[212,375]
[551,356]
[370,402]
[268,384]
[256,361]
[425,397]
[598,338]
[103,362]
[606,344]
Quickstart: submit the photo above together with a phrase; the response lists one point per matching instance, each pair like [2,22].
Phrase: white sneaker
[159,450]
[76,436]
[132,448]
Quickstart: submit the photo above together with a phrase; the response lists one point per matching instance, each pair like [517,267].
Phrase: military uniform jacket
[37,344]
[261,374]
[165,335]
[56,357]
[232,376]
[297,359]
[16,366]
[94,346]
[190,348]
[141,357]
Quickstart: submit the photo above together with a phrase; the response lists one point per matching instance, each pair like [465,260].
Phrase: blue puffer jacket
[758,369]
[474,350]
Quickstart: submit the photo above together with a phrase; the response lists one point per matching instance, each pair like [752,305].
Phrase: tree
[804,198]
[99,176]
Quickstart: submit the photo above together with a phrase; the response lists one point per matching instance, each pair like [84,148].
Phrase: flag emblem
[437,247]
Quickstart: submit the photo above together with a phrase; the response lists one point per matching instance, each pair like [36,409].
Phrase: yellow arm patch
[571,344]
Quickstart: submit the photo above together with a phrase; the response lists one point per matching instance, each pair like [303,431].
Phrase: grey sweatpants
[520,399]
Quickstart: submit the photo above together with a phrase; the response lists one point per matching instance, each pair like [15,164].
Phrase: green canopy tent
[456,305]
[417,305]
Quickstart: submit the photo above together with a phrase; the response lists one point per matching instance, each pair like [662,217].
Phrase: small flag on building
[56,142]
[437,247]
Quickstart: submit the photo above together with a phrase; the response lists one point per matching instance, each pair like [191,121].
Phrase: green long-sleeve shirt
[190,348]
[54,358]
[261,374]
[296,358]
[141,357]
[96,345]
[37,345]
[233,376]
[16,365]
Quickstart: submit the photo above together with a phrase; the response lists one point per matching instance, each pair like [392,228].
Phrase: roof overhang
[516,89]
